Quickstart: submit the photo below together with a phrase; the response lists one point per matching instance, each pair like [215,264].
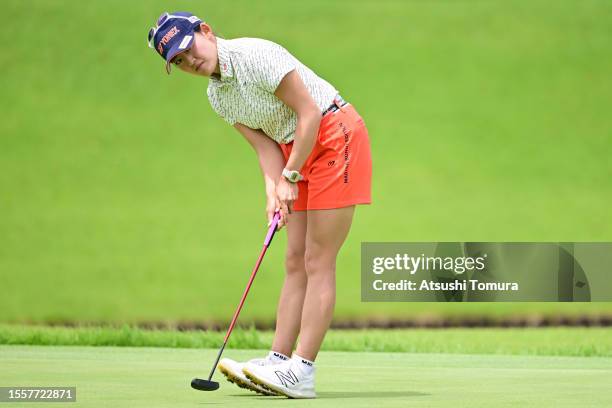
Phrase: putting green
[159,377]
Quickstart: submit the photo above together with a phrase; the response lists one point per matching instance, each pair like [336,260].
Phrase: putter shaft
[267,241]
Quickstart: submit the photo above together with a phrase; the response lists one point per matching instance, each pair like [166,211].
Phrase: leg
[289,310]
[325,234]
[289,304]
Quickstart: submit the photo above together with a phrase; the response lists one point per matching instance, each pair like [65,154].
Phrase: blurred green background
[123,198]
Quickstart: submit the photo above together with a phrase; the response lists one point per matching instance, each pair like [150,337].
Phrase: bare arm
[294,94]
[271,163]
[280,192]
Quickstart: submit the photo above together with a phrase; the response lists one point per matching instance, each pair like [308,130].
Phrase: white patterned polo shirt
[251,70]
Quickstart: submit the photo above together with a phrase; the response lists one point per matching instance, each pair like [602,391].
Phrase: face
[201,59]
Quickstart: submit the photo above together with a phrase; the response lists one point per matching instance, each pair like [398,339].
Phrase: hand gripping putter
[209,385]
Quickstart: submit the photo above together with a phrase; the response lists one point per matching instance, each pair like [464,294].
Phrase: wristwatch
[292,176]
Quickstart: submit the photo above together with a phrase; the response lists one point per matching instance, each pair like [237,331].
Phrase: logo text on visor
[166,38]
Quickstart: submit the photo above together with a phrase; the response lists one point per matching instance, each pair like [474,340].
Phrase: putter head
[204,385]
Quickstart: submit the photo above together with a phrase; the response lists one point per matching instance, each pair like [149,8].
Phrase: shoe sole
[271,387]
[240,383]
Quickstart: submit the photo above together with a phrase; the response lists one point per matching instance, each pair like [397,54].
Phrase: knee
[318,264]
[294,262]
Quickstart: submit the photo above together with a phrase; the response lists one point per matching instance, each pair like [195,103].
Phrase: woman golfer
[314,154]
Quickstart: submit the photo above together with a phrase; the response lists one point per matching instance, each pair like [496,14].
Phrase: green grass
[124,199]
[583,342]
[147,377]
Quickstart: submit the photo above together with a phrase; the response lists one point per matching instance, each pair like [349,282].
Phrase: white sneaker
[232,370]
[286,378]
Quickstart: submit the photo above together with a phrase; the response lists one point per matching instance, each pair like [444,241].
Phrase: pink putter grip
[272,229]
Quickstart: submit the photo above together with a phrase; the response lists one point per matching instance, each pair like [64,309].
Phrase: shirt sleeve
[269,64]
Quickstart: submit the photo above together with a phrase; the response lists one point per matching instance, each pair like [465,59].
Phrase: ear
[205,29]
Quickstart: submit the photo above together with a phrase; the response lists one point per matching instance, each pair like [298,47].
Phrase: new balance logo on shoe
[289,377]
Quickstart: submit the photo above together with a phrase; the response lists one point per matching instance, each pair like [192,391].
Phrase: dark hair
[211,30]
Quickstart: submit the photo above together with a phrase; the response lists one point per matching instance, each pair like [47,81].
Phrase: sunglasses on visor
[162,20]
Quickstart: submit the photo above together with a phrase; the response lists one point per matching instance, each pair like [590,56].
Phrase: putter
[209,385]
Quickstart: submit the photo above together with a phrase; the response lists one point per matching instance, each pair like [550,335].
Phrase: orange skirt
[338,172]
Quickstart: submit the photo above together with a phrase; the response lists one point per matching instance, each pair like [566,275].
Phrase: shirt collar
[225,63]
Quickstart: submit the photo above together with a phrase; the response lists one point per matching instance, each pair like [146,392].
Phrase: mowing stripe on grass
[584,342]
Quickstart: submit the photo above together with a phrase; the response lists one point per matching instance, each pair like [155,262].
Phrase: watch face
[292,175]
